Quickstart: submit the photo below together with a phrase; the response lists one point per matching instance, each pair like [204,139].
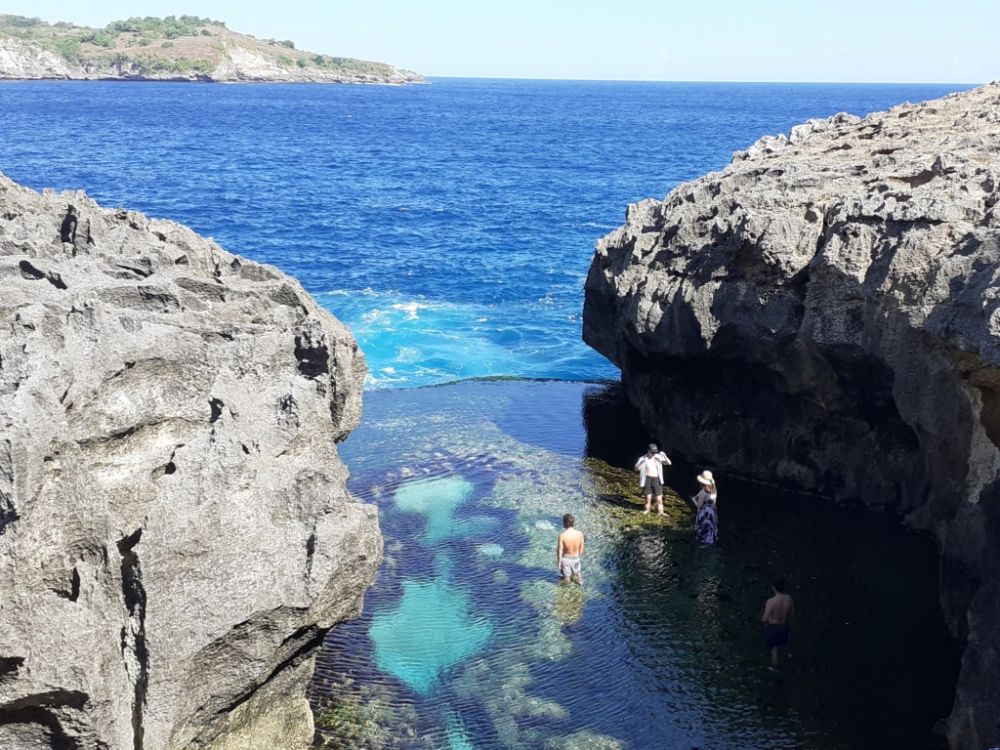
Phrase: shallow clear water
[450,225]
[468,640]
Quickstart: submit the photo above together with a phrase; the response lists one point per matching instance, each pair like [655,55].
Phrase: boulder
[176,536]
[825,313]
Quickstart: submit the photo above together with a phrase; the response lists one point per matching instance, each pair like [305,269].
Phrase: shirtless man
[650,468]
[568,550]
[778,610]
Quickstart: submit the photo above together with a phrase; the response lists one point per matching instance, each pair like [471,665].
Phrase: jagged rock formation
[825,313]
[175,532]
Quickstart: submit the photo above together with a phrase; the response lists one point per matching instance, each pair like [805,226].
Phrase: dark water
[468,641]
[450,225]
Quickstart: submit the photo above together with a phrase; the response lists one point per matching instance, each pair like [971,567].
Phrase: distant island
[175,48]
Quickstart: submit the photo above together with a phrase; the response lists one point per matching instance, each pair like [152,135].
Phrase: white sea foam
[412,309]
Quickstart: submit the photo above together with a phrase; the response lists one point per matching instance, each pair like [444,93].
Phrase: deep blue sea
[450,225]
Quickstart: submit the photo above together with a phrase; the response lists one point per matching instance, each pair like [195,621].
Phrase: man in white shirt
[650,468]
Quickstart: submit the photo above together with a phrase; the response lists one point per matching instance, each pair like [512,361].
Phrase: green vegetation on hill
[61,33]
[170,27]
[184,45]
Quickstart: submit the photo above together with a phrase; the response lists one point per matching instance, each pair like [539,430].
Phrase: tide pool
[469,639]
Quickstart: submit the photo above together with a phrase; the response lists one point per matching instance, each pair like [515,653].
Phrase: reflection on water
[469,640]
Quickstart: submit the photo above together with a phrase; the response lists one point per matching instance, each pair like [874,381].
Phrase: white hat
[706,477]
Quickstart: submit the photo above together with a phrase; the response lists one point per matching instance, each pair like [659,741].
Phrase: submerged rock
[825,313]
[490,550]
[433,628]
[175,533]
[437,499]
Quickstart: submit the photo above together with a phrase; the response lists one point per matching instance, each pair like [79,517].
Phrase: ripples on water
[468,640]
[451,225]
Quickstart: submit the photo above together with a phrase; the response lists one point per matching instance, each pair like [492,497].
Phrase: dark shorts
[653,486]
[775,636]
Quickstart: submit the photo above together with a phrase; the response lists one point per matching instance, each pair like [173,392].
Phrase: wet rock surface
[176,536]
[825,313]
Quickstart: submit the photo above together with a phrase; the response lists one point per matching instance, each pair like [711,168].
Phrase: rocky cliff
[175,532]
[184,48]
[825,313]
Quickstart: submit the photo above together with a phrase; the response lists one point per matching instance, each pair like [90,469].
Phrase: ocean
[451,226]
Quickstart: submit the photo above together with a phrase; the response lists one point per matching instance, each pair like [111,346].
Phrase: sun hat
[706,477]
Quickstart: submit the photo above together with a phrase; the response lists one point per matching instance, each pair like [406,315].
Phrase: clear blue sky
[706,40]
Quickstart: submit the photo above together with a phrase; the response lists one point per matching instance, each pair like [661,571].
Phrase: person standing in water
[650,468]
[778,610]
[569,549]
[706,523]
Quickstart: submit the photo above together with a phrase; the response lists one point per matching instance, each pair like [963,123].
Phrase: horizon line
[428,76]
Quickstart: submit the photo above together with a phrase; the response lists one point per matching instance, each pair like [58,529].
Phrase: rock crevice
[824,313]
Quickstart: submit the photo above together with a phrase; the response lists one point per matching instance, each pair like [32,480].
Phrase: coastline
[209,79]
[175,49]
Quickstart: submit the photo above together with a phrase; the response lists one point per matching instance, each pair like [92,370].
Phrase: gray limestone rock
[176,536]
[825,313]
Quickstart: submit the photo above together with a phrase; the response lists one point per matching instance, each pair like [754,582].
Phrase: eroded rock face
[175,532]
[825,313]
[21,60]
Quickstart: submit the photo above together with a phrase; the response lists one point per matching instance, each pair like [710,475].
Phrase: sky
[891,41]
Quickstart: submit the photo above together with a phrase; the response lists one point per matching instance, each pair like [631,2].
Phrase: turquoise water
[437,499]
[433,629]
[468,639]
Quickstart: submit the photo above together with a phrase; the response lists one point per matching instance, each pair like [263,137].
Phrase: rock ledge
[825,313]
